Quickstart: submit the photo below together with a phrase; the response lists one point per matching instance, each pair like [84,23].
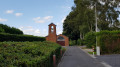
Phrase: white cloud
[3,20]
[42,20]
[48,17]
[63,19]
[37,18]
[32,31]
[18,14]
[59,28]
[9,11]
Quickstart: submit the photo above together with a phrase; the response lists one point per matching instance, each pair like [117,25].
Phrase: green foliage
[10,30]
[90,39]
[1,30]
[28,54]
[106,32]
[19,38]
[79,42]
[72,42]
[81,19]
[109,42]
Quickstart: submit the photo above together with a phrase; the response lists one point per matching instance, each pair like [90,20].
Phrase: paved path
[113,60]
[75,57]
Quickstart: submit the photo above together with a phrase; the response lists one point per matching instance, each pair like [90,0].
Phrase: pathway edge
[102,62]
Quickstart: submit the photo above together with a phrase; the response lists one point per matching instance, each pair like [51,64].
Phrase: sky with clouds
[34,16]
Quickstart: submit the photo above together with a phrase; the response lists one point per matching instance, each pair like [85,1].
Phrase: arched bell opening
[52,29]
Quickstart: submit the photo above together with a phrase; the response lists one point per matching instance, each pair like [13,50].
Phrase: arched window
[52,29]
[60,38]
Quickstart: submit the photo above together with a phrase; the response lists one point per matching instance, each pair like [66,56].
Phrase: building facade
[60,39]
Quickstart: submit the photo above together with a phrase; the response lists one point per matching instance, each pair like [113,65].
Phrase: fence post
[61,52]
[54,60]
[93,51]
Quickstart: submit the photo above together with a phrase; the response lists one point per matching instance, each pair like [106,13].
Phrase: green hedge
[28,54]
[16,37]
[109,42]
[90,39]
[10,30]
[72,42]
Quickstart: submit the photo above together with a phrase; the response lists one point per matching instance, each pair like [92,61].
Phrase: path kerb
[62,57]
[102,62]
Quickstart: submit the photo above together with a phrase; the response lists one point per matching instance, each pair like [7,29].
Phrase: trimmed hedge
[109,42]
[16,37]
[28,54]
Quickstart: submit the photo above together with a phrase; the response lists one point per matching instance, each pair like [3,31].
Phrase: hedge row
[28,54]
[16,37]
[11,30]
[109,42]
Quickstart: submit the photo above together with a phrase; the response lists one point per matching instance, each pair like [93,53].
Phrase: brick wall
[53,37]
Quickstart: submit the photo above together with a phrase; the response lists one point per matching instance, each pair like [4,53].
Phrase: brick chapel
[60,39]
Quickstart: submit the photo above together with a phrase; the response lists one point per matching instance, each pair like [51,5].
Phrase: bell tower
[52,33]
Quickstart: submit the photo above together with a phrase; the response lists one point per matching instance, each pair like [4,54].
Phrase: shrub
[109,42]
[28,54]
[90,39]
[10,30]
[72,42]
[15,37]
[1,30]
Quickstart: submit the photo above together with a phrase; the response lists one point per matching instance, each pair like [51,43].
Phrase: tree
[107,13]
[11,30]
[1,30]
[81,19]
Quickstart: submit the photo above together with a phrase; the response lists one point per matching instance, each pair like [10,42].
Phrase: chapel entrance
[61,40]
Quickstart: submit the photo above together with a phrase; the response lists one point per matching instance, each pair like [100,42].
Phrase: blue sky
[33,16]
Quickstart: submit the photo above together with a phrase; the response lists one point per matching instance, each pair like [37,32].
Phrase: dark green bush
[90,39]
[10,30]
[72,42]
[28,54]
[78,42]
[1,30]
[15,37]
[109,42]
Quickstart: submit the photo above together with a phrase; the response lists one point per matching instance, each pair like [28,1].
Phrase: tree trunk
[81,36]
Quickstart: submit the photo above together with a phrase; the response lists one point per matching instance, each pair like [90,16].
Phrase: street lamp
[97,47]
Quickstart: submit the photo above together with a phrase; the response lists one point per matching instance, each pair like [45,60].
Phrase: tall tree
[79,21]
[82,17]
[107,13]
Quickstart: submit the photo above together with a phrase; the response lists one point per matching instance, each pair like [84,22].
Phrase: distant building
[60,39]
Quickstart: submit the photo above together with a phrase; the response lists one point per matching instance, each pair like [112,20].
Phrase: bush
[109,42]
[28,54]
[78,42]
[1,30]
[15,37]
[72,42]
[10,30]
[90,39]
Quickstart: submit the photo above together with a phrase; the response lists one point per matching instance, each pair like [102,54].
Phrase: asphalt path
[76,57]
[113,60]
